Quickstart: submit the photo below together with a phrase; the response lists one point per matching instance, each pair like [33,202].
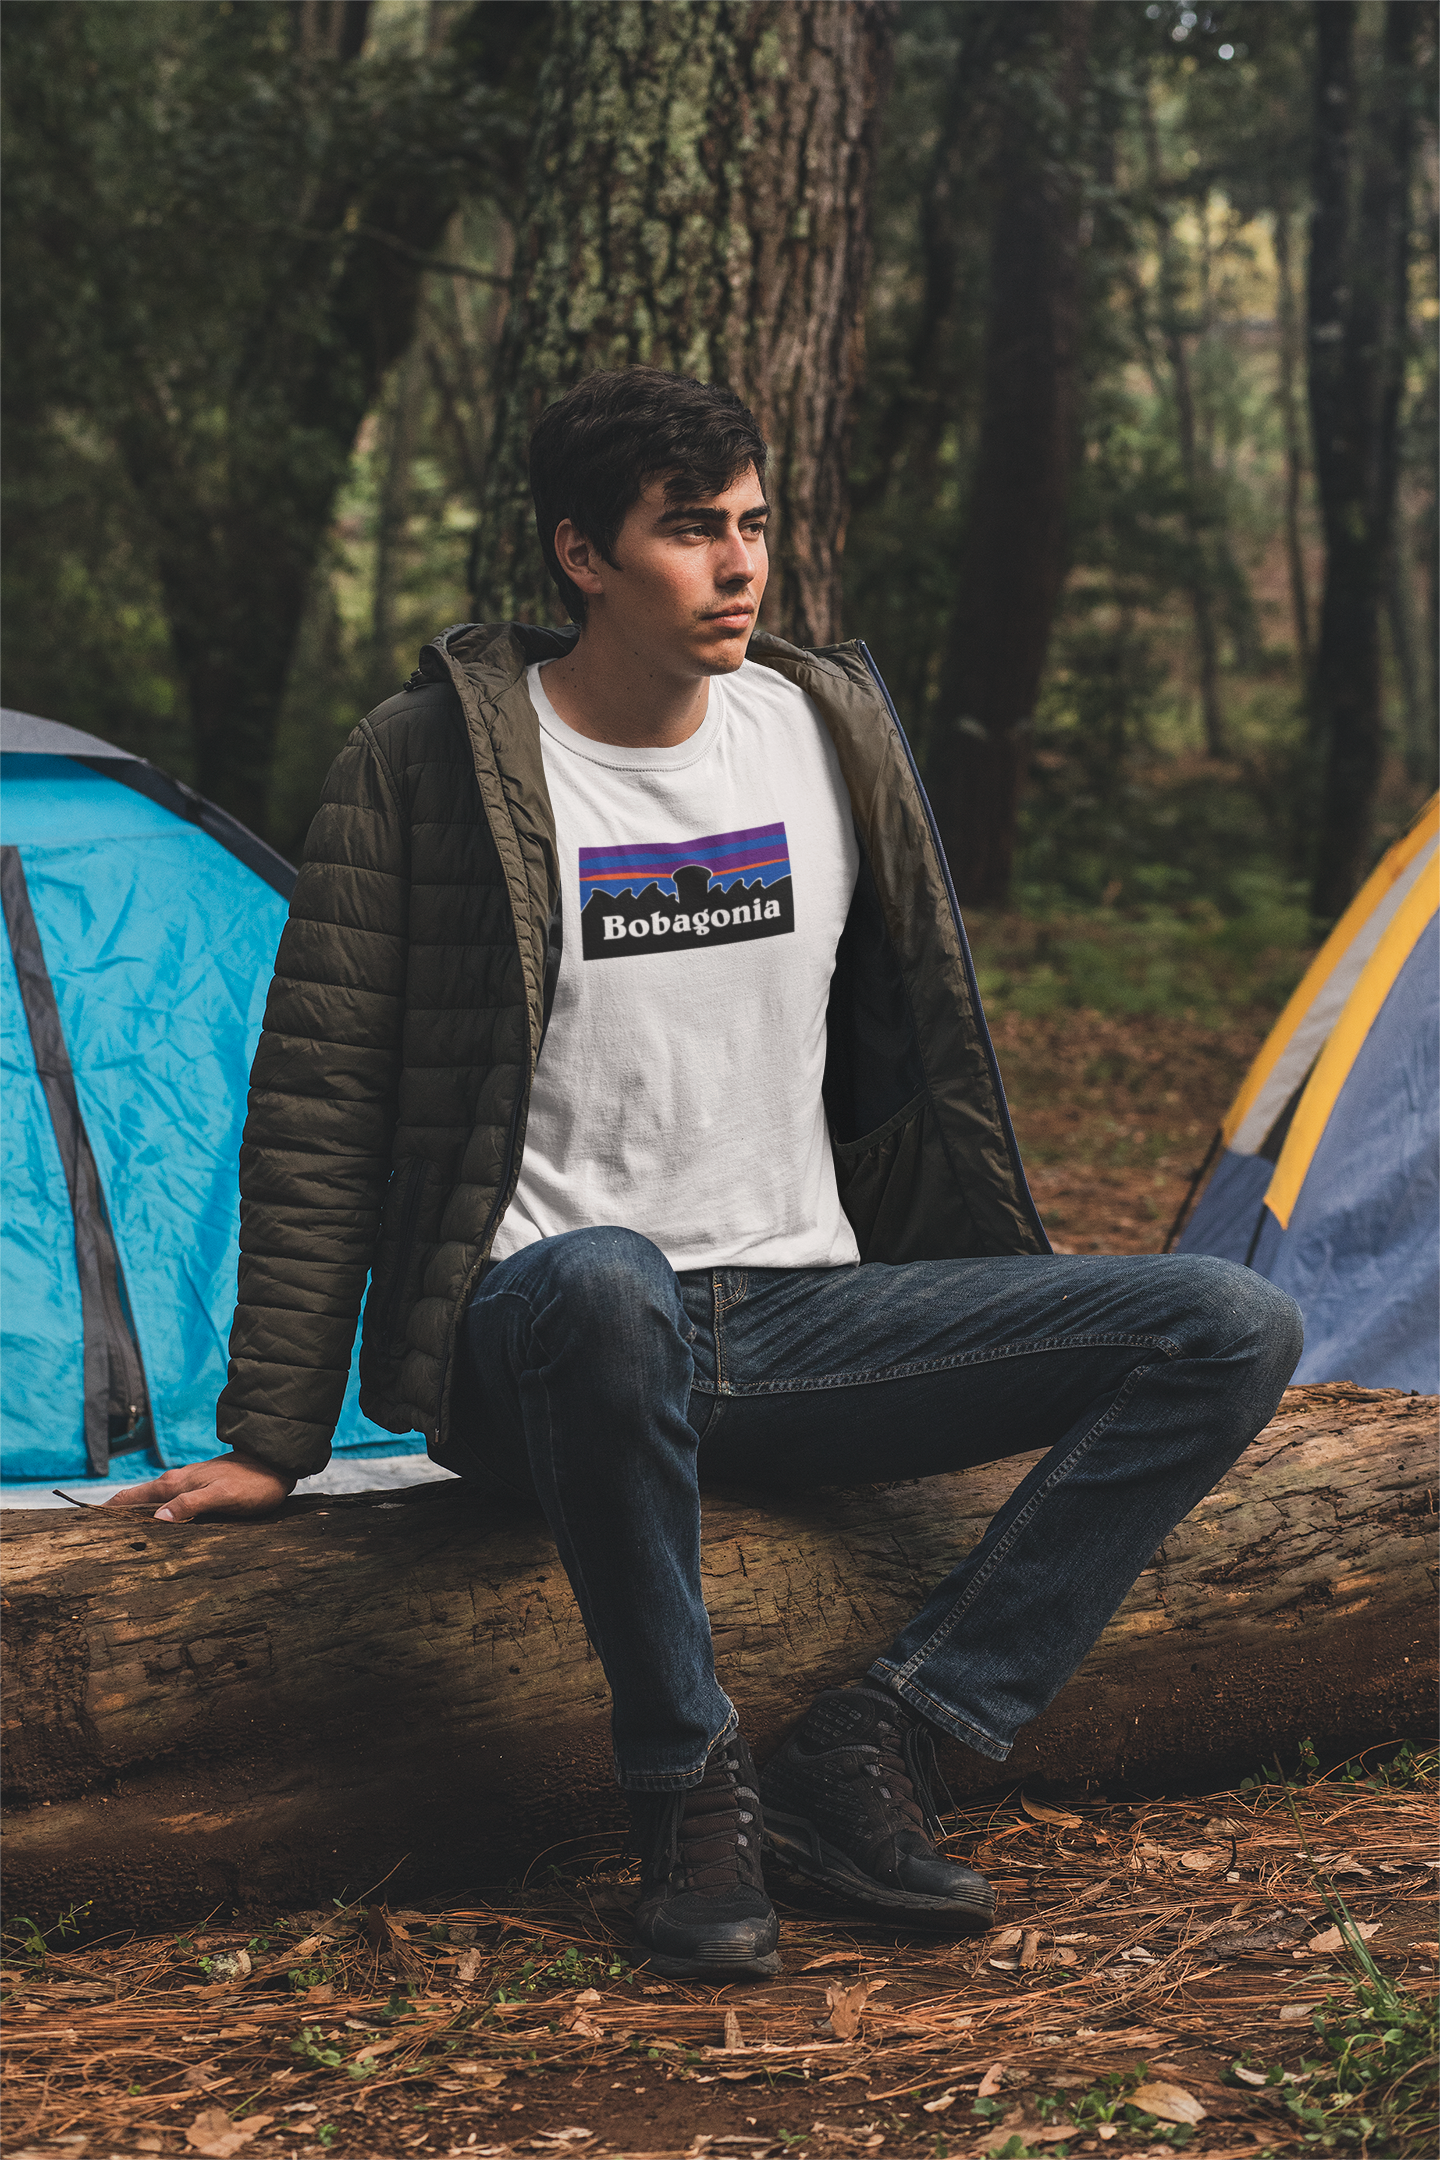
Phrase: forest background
[1095,341]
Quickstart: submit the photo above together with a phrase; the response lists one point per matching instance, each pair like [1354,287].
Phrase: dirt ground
[1138,1944]
[1114,1115]
[1144,1944]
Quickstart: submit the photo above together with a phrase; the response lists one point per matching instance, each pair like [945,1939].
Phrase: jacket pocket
[408,1226]
[898,1191]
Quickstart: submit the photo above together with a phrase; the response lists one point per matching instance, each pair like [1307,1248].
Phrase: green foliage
[1149,958]
[1401,1767]
[214,220]
[312,2048]
[26,1938]
[1107,2101]
[1372,2085]
[571,1969]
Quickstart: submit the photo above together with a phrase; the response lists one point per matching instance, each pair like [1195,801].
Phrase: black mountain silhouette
[764,911]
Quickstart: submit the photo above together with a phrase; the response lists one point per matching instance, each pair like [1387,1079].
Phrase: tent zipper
[116,1399]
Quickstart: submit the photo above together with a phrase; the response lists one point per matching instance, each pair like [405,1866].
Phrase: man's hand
[231,1486]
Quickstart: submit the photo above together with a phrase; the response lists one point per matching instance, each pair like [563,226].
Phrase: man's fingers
[157,1489]
[230,1485]
[197,1500]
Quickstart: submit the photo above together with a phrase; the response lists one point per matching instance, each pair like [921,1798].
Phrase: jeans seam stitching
[1165,1344]
[981,1579]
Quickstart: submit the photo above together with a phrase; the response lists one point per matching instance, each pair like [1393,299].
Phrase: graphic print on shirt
[681,895]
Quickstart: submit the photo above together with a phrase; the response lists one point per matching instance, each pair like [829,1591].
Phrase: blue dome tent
[141,926]
[1327,1178]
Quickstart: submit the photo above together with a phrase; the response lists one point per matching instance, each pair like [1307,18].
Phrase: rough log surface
[258,1713]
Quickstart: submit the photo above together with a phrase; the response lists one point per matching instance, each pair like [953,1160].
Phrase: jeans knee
[1239,1314]
[603,1272]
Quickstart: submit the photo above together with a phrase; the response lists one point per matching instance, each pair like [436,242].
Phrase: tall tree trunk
[239,481]
[1291,362]
[1357,297]
[699,199]
[1419,733]
[1012,562]
[1197,479]
[392,511]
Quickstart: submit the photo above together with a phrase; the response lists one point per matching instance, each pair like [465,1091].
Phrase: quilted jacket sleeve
[316,1150]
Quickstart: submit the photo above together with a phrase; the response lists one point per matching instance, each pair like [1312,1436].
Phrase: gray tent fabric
[27,735]
[27,732]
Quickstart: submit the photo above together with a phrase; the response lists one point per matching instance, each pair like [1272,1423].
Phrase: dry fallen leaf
[833,1957]
[1060,1817]
[1066,1957]
[1006,1938]
[845,2006]
[468,1967]
[992,2081]
[213,2134]
[732,2037]
[381,2047]
[1020,2122]
[390,1942]
[1296,2013]
[1029,1949]
[1332,1939]
[1171,2103]
[938,2105]
[579,2020]
[1201,1861]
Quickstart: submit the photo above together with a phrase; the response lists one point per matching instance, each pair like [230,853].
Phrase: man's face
[686,582]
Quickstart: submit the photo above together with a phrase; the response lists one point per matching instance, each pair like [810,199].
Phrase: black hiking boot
[849,1803]
[703,1912]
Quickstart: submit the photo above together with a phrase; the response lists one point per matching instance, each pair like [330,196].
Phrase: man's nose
[735,566]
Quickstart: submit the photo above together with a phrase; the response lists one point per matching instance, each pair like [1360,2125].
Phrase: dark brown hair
[596,448]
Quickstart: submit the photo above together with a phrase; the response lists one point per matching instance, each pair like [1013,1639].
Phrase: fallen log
[275,1713]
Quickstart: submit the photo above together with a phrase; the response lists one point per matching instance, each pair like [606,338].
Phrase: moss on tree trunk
[698,198]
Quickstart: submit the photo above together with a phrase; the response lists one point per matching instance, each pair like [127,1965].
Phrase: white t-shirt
[704,890]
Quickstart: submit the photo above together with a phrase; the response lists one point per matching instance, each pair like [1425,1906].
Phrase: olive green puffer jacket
[389,1092]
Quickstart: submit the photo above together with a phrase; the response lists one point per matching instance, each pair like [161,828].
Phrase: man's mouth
[731,618]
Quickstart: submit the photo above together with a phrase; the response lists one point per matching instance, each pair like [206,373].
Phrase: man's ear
[579,558]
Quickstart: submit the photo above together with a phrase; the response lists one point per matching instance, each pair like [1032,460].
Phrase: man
[624,1033]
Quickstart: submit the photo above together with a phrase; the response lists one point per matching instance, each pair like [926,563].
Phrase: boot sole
[797,1844]
[701,1968]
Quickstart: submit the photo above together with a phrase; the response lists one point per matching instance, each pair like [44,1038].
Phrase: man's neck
[621,696]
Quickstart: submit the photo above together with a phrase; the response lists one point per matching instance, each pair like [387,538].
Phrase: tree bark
[1291,360]
[1196,476]
[699,199]
[1356,306]
[1012,562]
[282,1711]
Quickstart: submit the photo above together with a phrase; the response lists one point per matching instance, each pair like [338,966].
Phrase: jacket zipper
[1011,1144]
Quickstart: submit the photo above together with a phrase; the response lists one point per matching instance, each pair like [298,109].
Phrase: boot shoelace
[714,1828]
[910,1775]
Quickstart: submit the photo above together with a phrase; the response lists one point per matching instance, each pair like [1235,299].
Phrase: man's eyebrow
[679,514]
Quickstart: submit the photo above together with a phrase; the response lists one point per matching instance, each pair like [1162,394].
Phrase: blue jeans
[613,1388]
